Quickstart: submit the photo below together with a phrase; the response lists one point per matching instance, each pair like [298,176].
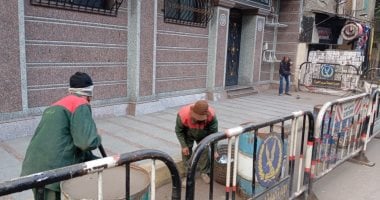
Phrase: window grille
[188,12]
[103,7]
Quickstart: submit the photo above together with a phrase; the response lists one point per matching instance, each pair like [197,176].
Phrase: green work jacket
[187,131]
[65,136]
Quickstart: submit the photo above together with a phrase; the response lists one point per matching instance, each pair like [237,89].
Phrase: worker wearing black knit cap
[65,135]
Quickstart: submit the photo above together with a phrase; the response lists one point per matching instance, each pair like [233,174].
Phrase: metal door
[233,49]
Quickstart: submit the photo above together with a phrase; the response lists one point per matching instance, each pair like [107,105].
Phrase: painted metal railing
[330,78]
[374,119]
[39,180]
[340,132]
[271,152]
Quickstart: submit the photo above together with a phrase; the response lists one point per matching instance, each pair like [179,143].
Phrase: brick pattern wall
[61,42]
[288,37]
[10,78]
[181,55]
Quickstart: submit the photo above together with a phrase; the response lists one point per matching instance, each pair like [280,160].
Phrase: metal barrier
[372,73]
[277,158]
[39,180]
[340,132]
[373,116]
[328,78]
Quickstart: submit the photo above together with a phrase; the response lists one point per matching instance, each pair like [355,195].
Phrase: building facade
[146,55]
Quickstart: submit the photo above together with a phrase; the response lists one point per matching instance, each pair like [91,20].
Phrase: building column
[13,73]
[142,23]
[259,32]
[217,51]
[133,55]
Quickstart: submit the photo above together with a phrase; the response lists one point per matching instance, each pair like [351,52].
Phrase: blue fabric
[281,89]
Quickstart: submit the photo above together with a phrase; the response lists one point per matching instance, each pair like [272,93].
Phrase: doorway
[233,47]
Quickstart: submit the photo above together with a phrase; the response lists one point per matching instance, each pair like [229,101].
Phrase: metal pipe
[100,185]
[212,157]
[190,178]
[56,175]
[102,151]
[228,175]
[235,167]
[153,180]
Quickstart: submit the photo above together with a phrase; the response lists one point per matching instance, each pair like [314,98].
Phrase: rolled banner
[351,31]
[360,29]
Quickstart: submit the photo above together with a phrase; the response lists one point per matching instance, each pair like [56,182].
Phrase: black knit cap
[80,80]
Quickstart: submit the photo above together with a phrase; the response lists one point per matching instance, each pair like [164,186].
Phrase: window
[188,12]
[105,7]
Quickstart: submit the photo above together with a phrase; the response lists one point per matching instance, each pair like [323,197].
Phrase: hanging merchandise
[362,40]
[351,30]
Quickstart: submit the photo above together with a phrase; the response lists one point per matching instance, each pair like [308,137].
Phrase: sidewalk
[156,130]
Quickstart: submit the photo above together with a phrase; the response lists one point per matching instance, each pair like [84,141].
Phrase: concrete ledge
[12,129]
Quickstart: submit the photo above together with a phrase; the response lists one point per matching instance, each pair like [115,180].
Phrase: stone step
[240,91]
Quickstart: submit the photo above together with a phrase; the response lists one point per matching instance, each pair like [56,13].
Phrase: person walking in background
[65,135]
[195,122]
[284,72]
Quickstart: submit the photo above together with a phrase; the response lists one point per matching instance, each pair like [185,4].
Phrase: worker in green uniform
[65,135]
[195,122]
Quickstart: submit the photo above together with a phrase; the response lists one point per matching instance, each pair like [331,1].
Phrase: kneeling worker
[195,122]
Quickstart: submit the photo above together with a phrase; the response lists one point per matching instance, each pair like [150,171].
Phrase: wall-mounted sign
[326,83]
[327,71]
[269,160]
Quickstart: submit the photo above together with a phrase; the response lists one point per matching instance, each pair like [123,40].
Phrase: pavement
[156,131]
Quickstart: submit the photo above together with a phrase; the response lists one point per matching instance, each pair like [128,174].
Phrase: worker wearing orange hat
[195,122]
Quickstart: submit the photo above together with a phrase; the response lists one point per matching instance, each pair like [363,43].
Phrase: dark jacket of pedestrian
[284,67]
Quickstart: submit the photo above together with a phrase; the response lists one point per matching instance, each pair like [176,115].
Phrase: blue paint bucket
[245,160]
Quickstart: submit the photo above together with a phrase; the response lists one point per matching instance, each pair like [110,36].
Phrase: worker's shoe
[205,178]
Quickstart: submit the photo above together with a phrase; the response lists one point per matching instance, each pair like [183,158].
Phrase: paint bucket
[86,187]
[245,166]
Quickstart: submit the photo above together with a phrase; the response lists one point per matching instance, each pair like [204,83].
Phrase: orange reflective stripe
[71,102]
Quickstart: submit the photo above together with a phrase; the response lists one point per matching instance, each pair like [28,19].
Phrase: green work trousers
[204,161]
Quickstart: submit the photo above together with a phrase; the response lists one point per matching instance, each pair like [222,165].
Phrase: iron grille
[188,12]
[103,7]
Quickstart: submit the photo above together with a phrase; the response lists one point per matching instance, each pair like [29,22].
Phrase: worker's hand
[216,155]
[185,151]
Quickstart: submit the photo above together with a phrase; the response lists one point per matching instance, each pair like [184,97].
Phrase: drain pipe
[275,31]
